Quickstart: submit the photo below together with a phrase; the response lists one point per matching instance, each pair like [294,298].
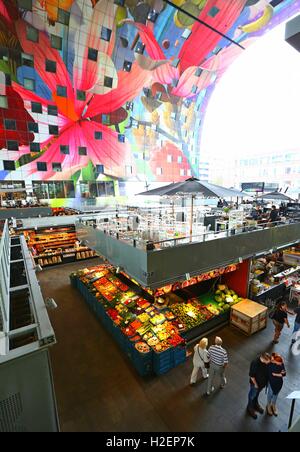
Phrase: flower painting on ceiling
[120,85]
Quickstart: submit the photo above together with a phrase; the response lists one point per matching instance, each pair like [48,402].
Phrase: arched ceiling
[117,86]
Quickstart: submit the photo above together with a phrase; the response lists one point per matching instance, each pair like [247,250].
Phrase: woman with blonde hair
[200,360]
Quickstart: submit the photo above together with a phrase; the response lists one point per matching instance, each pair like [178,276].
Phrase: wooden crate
[249,316]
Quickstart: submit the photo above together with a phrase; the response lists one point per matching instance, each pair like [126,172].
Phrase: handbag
[206,365]
[272,314]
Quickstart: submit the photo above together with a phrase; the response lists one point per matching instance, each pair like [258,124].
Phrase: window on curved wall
[53,189]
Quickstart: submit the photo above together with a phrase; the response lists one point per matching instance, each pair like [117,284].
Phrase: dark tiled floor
[98,390]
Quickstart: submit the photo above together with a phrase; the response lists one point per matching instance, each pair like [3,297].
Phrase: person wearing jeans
[277,373]
[218,358]
[297,323]
[259,375]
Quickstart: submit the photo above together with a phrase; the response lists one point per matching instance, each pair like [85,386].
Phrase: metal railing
[134,237]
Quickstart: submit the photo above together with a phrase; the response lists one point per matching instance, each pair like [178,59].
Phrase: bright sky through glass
[256,105]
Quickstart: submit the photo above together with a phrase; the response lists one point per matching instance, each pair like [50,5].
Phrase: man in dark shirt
[273,215]
[280,318]
[258,381]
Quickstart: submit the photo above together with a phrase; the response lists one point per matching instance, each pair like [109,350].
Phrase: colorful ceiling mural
[116,87]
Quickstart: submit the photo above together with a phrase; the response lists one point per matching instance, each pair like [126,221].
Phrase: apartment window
[64,149]
[25,4]
[56,167]
[108,82]
[56,42]
[12,145]
[51,66]
[27,60]
[182,172]
[36,107]
[121,138]
[98,135]
[53,130]
[7,80]
[186,33]
[169,158]
[106,119]
[81,95]
[140,48]
[82,150]
[127,66]
[159,171]
[105,34]
[63,17]
[179,159]
[198,72]
[92,54]
[10,124]
[41,166]
[100,169]
[29,84]
[52,110]
[213,11]
[61,91]
[35,147]
[3,102]
[175,62]
[33,127]
[9,165]
[152,16]
[128,170]
[32,34]
[4,54]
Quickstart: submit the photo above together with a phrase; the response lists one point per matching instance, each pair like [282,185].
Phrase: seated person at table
[273,215]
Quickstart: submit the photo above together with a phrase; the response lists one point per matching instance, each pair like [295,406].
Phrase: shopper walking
[297,324]
[259,377]
[200,360]
[218,362]
[277,373]
[280,318]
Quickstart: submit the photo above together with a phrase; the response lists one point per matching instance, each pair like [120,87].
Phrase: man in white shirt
[218,362]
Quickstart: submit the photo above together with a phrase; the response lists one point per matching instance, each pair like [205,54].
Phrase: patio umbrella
[276,196]
[194,187]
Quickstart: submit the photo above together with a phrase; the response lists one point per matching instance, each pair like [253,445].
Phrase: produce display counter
[150,341]
[52,246]
[153,327]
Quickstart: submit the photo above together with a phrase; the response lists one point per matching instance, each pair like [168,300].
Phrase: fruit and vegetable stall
[153,327]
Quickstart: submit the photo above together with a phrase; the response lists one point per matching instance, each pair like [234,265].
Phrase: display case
[271,277]
[53,246]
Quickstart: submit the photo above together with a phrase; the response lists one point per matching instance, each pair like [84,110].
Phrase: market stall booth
[56,245]
[153,327]
[273,277]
